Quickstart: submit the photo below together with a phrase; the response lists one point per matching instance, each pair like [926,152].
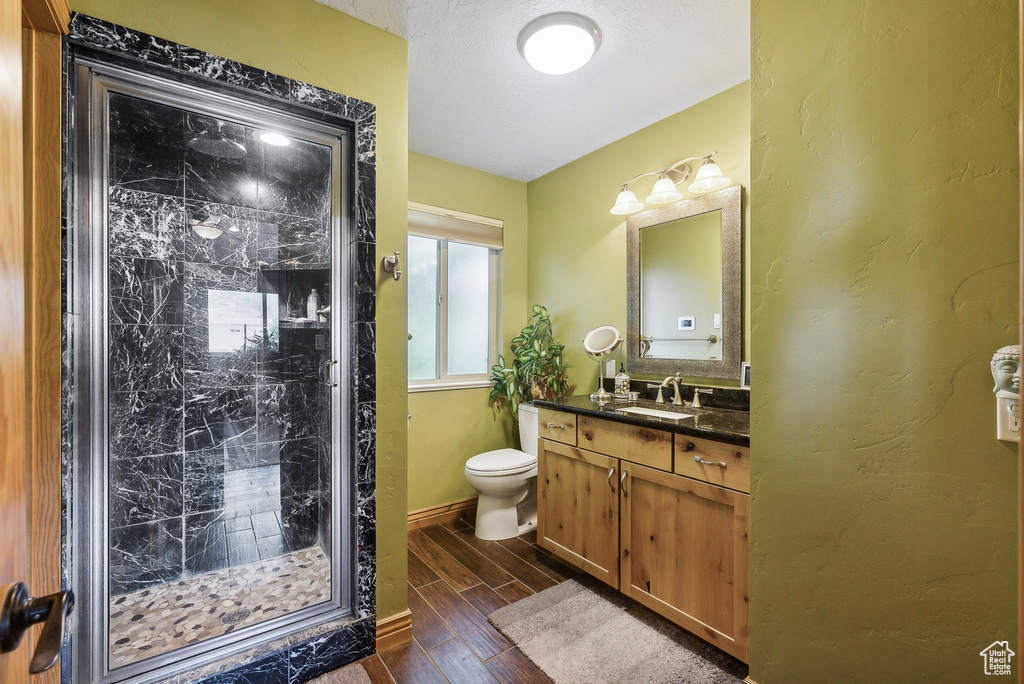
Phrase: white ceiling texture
[474,101]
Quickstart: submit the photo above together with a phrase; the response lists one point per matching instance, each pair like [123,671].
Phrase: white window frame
[447,226]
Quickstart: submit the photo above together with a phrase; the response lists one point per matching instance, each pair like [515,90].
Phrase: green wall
[449,426]
[884,271]
[311,42]
[577,250]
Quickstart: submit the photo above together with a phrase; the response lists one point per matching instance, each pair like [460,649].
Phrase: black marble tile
[210,176]
[144,555]
[145,489]
[204,481]
[103,34]
[145,225]
[300,520]
[146,291]
[220,418]
[271,547]
[220,69]
[145,357]
[300,469]
[366,203]
[366,441]
[329,652]
[270,670]
[205,543]
[266,524]
[366,137]
[144,423]
[147,145]
[242,548]
[296,180]
[324,100]
[204,367]
[293,242]
[365,357]
[236,245]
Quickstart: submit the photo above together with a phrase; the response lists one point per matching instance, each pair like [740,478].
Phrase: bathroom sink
[641,411]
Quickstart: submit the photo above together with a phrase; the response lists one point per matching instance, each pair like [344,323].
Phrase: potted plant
[538,368]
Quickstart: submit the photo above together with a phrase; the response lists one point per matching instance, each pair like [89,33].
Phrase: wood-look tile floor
[455,581]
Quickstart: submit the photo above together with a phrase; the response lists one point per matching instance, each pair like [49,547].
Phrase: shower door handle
[327,373]
[20,611]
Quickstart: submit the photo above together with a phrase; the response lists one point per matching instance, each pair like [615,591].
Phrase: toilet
[507,482]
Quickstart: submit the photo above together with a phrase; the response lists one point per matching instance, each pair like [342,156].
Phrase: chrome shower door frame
[88,522]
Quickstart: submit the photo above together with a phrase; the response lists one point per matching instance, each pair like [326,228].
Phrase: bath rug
[584,631]
[350,674]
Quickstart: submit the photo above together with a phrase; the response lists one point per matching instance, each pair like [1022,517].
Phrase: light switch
[718,321]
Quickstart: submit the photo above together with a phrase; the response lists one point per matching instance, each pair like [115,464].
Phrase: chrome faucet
[696,395]
[676,400]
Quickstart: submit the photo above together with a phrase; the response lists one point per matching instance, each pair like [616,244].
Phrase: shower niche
[210,276]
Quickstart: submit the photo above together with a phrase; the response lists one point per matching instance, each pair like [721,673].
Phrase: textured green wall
[449,426]
[311,42]
[577,250]
[884,268]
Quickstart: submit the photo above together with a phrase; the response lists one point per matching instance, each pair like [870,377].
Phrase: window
[452,266]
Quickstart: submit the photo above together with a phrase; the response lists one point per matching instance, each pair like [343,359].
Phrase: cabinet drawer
[557,426]
[652,448]
[735,474]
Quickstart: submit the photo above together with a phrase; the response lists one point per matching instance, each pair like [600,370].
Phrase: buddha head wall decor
[1006,371]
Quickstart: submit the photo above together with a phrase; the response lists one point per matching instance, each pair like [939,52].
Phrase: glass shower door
[219,416]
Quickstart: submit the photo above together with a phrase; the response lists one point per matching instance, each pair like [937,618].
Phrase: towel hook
[390,265]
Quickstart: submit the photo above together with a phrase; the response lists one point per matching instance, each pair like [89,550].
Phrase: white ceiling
[474,101]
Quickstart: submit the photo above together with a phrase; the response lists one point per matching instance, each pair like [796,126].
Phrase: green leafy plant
[538,368]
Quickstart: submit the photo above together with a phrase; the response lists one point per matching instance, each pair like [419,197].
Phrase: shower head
[216,144]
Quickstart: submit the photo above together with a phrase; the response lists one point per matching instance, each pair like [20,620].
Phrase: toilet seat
[501,462]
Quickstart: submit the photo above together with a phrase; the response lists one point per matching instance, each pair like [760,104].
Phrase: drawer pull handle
[720,464]
[556,427]
[622,482]
[611,471]
[690,446]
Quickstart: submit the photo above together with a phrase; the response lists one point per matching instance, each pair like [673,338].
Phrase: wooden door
[685,554]
[578,508]
[14,542]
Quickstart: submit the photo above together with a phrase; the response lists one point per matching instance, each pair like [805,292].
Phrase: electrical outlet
[1008,419]
[321,342]
[609,369]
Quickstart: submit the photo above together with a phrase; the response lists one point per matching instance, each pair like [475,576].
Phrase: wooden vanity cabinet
[578,508]
[627,507]
[685,554]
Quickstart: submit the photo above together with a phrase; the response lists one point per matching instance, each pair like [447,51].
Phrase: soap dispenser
[622,383]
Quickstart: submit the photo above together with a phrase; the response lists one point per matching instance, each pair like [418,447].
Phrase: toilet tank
[528,428]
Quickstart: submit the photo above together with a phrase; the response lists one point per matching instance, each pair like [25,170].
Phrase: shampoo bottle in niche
[312,304]
[622,383]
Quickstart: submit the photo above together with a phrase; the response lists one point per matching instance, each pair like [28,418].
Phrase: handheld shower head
[216,144]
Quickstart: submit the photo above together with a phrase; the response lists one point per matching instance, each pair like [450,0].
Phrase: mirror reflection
[681,288]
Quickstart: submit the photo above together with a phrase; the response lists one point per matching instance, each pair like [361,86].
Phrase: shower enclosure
[209,281]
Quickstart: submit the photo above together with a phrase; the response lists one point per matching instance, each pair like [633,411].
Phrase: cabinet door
[578,508]
[685,554]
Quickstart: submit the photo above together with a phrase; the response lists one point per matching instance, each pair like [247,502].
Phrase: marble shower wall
[195,417]
[219,438]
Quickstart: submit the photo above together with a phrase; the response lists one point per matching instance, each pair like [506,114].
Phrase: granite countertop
[723,425]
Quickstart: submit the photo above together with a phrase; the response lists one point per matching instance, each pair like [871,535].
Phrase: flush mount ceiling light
[560,42]
[276,139]
[709,178]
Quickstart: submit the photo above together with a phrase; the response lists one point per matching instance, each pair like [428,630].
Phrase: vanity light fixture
[559,43]
[709,178]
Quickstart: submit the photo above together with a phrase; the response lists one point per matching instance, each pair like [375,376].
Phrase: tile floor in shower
[151,621]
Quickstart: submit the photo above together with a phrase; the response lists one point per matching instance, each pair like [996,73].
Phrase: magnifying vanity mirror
[683,281]
[600,343]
